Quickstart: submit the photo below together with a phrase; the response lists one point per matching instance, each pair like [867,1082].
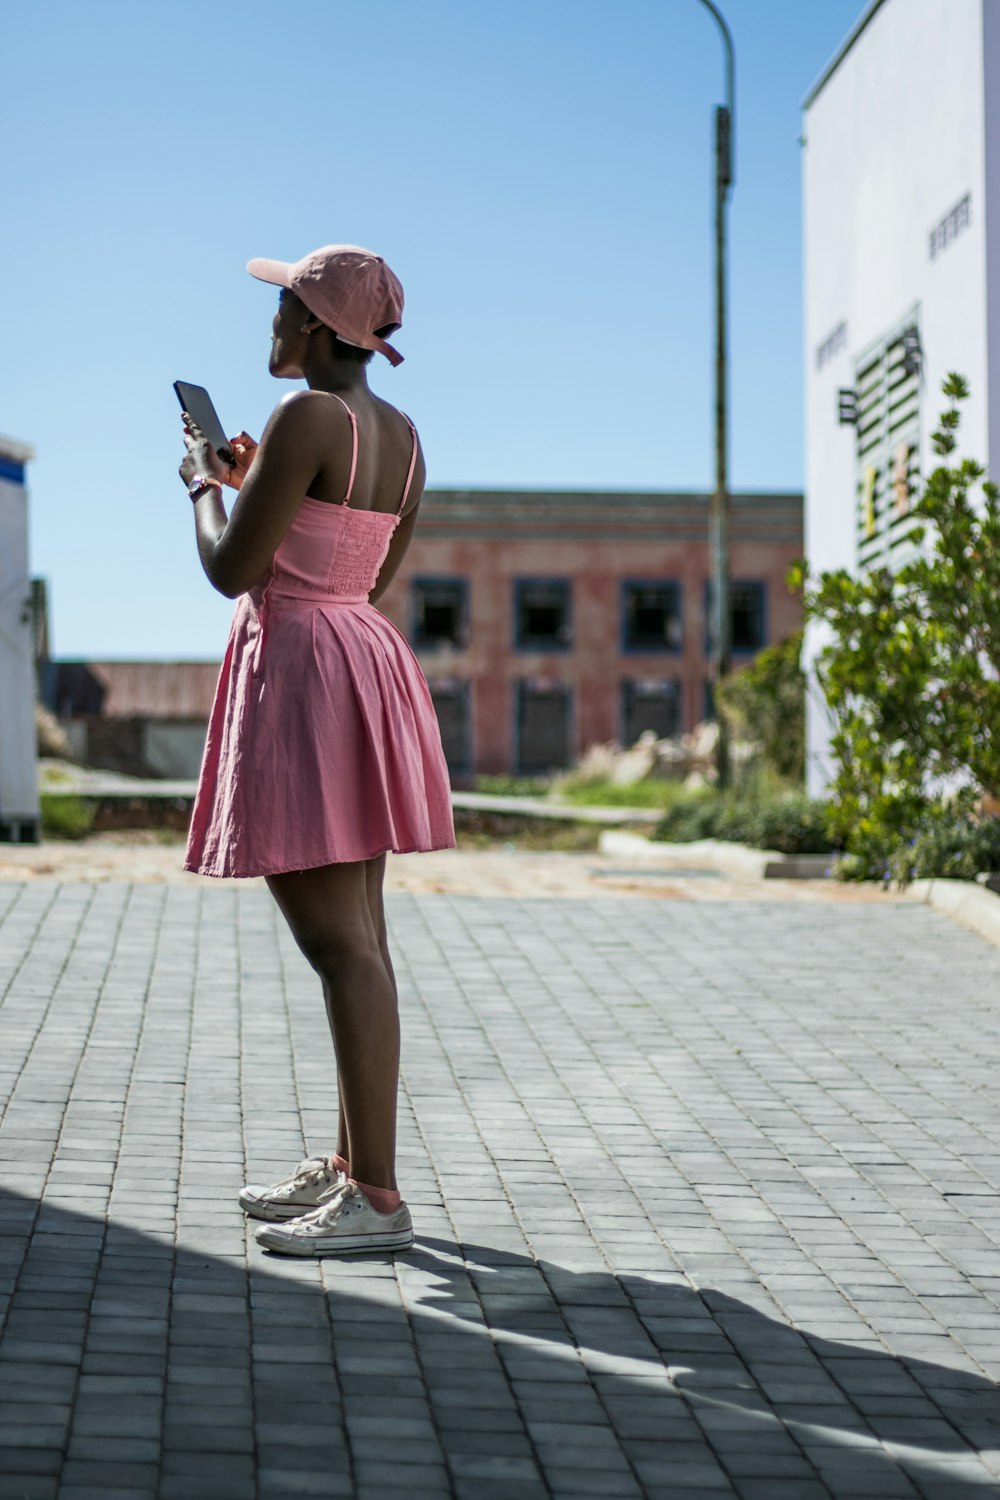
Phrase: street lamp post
[720,625]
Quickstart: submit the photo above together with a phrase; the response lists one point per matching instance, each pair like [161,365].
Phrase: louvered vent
[888,447]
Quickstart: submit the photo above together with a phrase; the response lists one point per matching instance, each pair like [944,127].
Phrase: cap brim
[274,271]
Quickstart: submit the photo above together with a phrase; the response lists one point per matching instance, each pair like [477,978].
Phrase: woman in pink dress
[323,751]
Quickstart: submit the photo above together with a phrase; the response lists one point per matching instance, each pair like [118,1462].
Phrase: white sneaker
[346,1224]
[298,1194]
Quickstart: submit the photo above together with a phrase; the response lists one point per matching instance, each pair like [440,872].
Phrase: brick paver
[707,1200]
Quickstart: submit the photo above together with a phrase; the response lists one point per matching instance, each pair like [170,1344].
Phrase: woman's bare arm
[236,551]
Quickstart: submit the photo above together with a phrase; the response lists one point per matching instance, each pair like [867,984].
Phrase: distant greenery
[66,817]
[762,813]
[590,792]
[511,786]
[584,789]
[765,703]
[540,835]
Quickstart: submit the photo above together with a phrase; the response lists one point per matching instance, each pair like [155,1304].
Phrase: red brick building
[546,621]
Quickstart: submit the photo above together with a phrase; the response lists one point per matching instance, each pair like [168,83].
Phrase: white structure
[19,821]
[902,202]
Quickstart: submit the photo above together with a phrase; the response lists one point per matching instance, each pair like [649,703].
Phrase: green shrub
[690,818]
[792,823]
[765,702]
[947,843]
[511,786]
[795,825]
[910,670]
[66,817]
[653,792]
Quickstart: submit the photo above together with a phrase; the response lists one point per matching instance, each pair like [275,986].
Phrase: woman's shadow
[510,1356]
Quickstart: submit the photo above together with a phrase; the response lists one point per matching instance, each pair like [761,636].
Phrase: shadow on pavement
[128,1365]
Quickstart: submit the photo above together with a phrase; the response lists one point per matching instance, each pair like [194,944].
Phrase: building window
[887,385]
[542,614]
[747,614]
[439,612]
[832,345]
[542,737]
[450,696]
[951,226]
[651,615]
[746,603]
[650,703]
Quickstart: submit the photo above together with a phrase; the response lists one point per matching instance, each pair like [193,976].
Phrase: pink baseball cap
[348,288]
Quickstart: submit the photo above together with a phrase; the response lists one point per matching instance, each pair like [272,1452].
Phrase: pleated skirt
[323,745]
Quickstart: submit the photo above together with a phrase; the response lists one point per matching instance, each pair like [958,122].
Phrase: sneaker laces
[311,1172]
[333,1192]
[327,1207]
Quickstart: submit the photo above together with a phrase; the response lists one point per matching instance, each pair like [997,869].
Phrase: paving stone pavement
[707,1201]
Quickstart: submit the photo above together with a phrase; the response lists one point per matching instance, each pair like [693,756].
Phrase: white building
[18,766]
[901,147]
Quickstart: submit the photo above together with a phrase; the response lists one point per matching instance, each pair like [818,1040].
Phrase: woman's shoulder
[392,413]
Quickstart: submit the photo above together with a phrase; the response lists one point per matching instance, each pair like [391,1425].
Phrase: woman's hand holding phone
[244,450]
[202,458]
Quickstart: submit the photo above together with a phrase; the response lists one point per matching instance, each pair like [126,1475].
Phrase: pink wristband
[199,483]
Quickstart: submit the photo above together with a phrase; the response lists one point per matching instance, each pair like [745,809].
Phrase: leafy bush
[66,817]
[948,843]
[654,792]
[797,825]
[792,824]
[690,818]
[511,786]
[911,673]
[765,703]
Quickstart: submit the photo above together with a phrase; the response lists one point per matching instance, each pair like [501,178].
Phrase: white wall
[991,218]
[893,140]
[18,765]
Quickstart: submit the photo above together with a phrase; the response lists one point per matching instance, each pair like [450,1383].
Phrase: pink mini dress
[323,745]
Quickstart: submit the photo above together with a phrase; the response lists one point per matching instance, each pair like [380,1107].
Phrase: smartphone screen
[196,400]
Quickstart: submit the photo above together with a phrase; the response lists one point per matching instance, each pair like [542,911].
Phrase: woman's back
[372,454]
[335,546]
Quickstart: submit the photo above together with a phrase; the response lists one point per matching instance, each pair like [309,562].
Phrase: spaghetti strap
[354,451]
[354,439]
[413,462]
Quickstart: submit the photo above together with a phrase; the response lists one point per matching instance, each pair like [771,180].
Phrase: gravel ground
[498,871]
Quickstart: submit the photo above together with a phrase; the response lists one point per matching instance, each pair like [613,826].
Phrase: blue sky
[537,173]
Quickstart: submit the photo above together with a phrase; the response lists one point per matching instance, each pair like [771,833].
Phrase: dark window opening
[650,704]
[451,704]
[542,614]
[746,616]
[439,612]
[543,726]
[652,617]
[747,607]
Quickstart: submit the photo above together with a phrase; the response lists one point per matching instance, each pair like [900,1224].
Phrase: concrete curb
[964,901]
[536,807]
[735,859]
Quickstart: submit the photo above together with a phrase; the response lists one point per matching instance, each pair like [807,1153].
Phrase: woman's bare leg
[330,917]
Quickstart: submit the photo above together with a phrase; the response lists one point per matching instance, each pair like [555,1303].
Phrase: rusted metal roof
[134,689]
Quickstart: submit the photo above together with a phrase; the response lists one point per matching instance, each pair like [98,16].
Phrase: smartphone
[196,400]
